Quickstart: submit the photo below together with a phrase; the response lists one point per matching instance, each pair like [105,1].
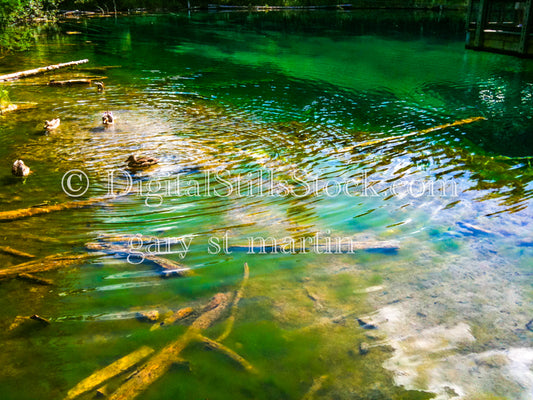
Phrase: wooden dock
[501,26]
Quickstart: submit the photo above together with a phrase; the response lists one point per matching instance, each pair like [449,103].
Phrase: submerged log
[114,369]
[42,320]
[214,345]
[168,267]
[235,305]
[41,70]
[315,387]
[77,81]
[14,252]
[20,321]
[35,279]
[17,107]
[415,133]
[181,314]
[48,263]
[30,212]
[160,363]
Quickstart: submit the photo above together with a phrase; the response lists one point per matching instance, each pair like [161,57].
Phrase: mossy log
[45,264]
[35,279]
[21,321]
[116,368]
[14,252]
[156,366]
[168,267]
[235,305]
[41,70]
[13,215]
[180,315]
[315,387]
[214,345]
[159,364]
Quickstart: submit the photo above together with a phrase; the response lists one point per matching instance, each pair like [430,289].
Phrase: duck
[108,118]
[20,169]
[51,125]
[141,162]
[99,86]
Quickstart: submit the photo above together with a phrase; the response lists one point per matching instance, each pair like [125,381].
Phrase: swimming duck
[140,162]
[20,169]
[99,86]
[51,125]
[108,118]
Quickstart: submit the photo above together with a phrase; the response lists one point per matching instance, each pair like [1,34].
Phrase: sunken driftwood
[315,387]
[45,264]
[35,279]
[14,252]
[16,107]
[235,305]
[156,366]
[41,70]
[160,363]
[77,81]
[180,315]
[31,211]
[168,267]
[24,320]
[114,369]
[415,133]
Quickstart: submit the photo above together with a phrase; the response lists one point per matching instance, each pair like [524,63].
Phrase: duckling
[141,162]
[99,86]
[51,125]
[20,169]
[108,118]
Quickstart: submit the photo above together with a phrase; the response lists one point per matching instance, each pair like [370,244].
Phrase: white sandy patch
[430,359]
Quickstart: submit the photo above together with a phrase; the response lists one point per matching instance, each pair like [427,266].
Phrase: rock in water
[148,316]
[364,348]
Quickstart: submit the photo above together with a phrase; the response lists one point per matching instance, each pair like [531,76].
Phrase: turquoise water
[283,96]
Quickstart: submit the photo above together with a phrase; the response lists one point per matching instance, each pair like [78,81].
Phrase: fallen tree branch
[77,81]
[315,387]
[214,345]
[14,252]
[35,279]
[45,264]
[41,70]
[168,267]
[416,133]
[31,211]
[114,369]
[235,305]
[159,364]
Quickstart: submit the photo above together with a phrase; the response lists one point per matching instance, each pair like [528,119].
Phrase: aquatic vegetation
[437,284]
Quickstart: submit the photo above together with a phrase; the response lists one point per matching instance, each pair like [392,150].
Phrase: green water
[260,93]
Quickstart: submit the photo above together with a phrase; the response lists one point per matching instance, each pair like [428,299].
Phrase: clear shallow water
[281,92]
